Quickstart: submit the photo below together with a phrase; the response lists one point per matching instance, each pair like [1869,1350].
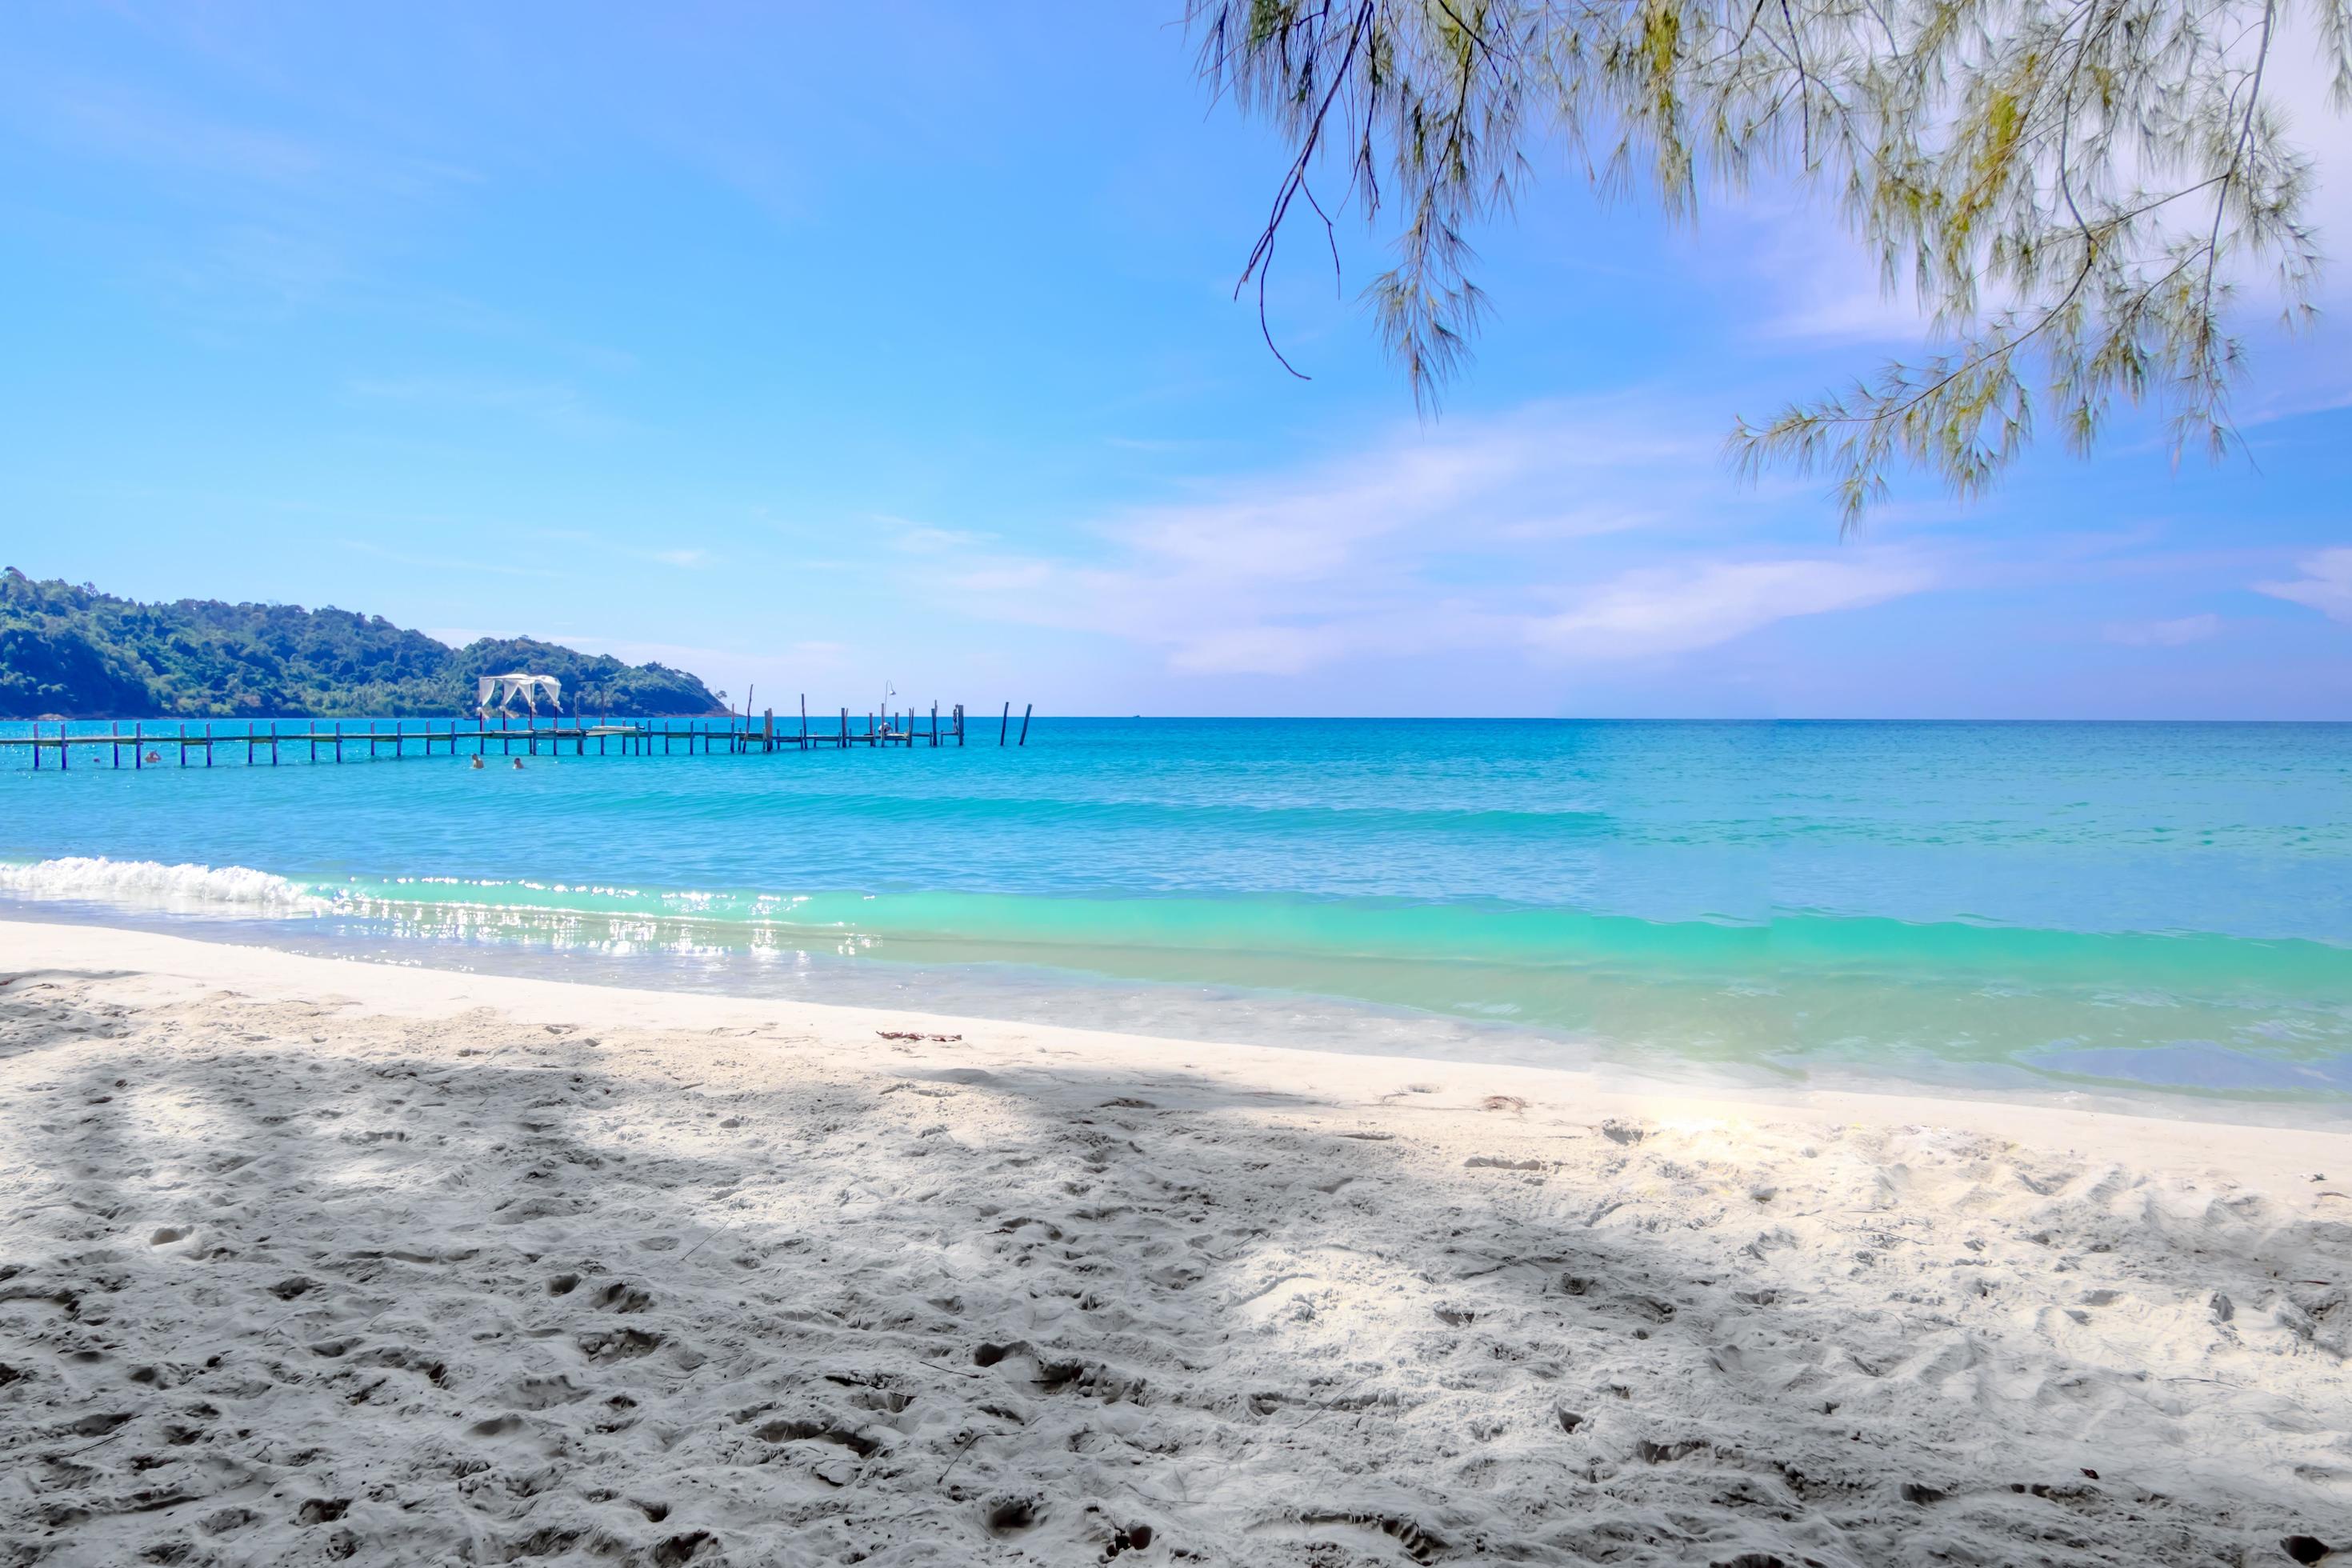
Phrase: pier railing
[265,743]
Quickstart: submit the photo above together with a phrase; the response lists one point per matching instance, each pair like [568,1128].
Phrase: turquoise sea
[2148,909]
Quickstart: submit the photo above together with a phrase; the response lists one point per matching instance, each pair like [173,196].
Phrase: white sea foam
[188,889]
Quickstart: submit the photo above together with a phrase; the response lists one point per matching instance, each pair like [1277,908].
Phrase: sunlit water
[2161,908]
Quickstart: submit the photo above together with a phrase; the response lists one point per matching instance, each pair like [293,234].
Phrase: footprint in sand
[1011,1515]
[622,1344]
[621,1295]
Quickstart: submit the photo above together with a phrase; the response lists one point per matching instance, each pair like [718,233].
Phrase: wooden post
[1004,723]
[64,752]
[803,720]
[1026,709]
[138,745]
[843,744]
[339,740]
[273,743]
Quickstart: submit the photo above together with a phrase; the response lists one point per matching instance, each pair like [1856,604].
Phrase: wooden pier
[265,743]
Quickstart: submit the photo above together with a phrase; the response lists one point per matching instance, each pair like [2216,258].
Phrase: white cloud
[2162,634]
[1815,283]
[1653,611]
[1474,535]
[2300,80]
[1820,287]
[2325,584]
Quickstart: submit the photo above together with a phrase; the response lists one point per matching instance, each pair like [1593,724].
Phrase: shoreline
[318,1255]
[1731,1089]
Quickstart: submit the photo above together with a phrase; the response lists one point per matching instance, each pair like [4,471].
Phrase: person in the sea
[518,765]
[478,762]
[154,756]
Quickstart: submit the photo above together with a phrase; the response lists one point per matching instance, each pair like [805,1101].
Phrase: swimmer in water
[518,765]
[154,756]
[478,762]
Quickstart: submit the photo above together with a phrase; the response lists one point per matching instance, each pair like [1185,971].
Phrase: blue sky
[847,345]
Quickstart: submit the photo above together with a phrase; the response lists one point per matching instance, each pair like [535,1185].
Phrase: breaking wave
[187,887]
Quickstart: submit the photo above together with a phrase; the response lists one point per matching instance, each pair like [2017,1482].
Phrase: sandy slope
[303,1260]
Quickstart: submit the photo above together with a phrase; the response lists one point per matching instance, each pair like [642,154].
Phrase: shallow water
[2160,906]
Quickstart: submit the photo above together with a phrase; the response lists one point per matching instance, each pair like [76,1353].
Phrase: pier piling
[743,734]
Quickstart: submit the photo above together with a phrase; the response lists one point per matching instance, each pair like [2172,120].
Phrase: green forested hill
[78,653]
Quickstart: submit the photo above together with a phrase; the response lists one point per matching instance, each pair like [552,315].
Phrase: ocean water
[2162,909]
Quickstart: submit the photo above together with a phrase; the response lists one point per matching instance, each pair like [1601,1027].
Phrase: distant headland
[75,652]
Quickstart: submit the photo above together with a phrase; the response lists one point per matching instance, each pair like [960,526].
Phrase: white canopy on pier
[499,691]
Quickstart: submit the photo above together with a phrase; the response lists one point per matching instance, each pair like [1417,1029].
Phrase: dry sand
[301,1261]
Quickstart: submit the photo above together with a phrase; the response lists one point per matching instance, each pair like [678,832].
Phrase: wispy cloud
[1483,534]
[127,122]
[686,557]
[1811,282]
[2325,584]
[2178,633]
[1653,611]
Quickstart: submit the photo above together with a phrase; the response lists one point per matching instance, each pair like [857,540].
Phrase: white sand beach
[304,1260]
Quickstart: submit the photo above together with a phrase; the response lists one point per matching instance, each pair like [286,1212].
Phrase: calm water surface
[2158,906]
